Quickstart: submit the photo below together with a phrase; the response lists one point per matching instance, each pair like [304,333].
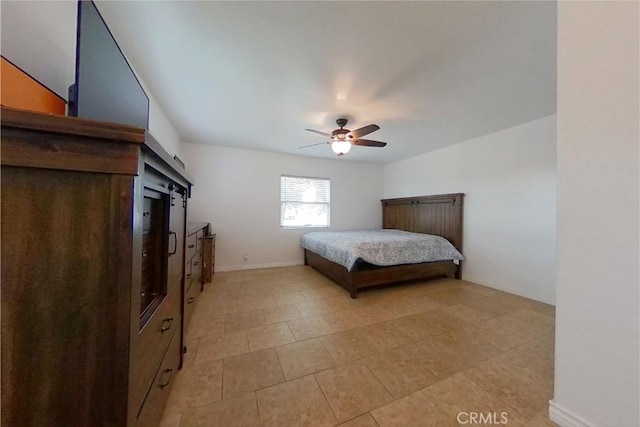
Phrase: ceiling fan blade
[355,134]
[319,132]
[369,143]
[319,143]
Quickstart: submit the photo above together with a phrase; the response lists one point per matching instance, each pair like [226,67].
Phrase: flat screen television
[106,87]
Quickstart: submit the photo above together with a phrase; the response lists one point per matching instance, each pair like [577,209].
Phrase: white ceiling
[256,74]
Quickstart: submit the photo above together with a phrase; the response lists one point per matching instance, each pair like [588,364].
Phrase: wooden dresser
[199,255]
[208,256]
[193,267]
[93,272]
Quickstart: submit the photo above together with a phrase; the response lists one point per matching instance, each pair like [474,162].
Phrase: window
[304,202]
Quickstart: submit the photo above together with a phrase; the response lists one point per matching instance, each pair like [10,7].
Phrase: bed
[439,215]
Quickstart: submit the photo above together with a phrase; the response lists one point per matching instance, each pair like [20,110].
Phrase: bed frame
[439,214]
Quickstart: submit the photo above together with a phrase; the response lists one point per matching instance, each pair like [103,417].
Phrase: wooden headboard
[439,214]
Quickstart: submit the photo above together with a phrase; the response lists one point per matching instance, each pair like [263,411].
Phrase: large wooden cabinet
[93,266]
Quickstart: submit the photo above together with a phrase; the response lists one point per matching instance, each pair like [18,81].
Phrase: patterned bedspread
[379,247]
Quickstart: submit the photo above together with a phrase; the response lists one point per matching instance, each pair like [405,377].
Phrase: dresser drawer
[196,270]
[190,299]
[188,274]
[151,412]
[191,246]
[199,239]
[152,342]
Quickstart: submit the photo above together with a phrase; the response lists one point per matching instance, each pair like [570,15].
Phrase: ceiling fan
[342,139]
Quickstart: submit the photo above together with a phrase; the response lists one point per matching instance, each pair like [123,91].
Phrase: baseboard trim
[258,266]
[564,417]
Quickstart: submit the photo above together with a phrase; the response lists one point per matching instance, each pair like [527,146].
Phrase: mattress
[379,247]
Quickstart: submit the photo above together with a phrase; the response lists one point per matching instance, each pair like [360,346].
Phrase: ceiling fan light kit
[342,139]
[340,147]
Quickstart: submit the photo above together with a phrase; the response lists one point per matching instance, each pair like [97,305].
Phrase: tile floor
[288,347]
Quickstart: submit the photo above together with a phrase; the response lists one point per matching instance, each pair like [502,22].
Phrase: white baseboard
[257,266]
[564,417]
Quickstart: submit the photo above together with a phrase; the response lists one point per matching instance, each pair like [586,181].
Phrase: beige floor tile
[269,336]
[295,403]
[198,385]
[537,324]
[344,319]
[243,320]
[241,411]
[425,325]
[450,329]
[384,336]
[414,326]
[191,345]
[365,420]
[289,298]
[352,390]
[228,345]
[542,347]
[259,303]
[513,329]
[249,372]
[406,304]
[490,305]
[509,300]
[374,314]
[458,394]
[226,306]
[399,373]
[315,307]
[415,410]
[347,346]
[467,344]
[467,314]
[171,420]
[309,327]
[281,313]
[526,395]
[456,296]
[241,293]
[437,358]
[326,292]
[200,326]
[541,420]
[304,358]
[529,364]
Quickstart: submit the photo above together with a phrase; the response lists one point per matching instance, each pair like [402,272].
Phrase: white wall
[597,312]
[509,182]
[238,192]
[40,38]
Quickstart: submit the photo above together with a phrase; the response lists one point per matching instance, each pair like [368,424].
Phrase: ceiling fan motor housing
[341,133]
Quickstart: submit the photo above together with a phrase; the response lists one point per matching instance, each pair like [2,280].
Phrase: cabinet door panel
[175,268]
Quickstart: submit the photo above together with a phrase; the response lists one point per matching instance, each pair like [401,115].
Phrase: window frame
[328,204]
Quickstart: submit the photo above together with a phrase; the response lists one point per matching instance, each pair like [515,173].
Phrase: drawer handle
[191,246]
[168,373]
[146,214]
[175,242]
[166,324]
[191,300]
[188,276]
[196,263]
[144,254]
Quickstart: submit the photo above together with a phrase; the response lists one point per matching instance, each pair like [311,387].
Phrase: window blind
[304,201]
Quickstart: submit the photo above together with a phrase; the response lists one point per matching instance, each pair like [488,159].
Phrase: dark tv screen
[106,87]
